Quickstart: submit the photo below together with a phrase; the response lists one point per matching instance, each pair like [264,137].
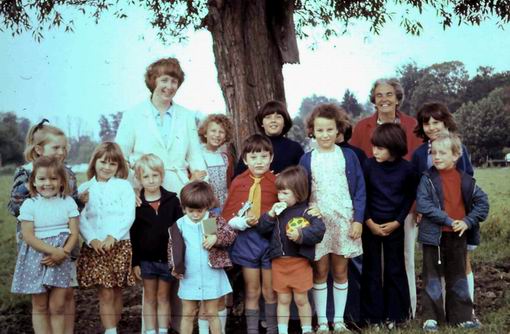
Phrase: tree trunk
[248,55]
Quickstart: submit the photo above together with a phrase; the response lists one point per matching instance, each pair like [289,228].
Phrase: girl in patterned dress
[338,190]
[105,261]
[49,227]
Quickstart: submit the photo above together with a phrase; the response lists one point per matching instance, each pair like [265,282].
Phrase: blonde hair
[56,168]
[150,161]
[449,140]
[112,152]
[38,136]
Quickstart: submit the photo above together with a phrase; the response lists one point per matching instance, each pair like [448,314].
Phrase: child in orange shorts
[292,247]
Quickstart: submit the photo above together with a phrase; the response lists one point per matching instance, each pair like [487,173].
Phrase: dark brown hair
[436,110]
[198,195]
[295,179]
[221,120]
[392,137]
[56,168]
[112,152]
[164,66]
[256,143]
[328,111]
[274,107]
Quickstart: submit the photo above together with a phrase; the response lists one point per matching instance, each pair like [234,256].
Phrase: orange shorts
[292,274]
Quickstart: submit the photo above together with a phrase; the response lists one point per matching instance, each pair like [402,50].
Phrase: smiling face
[105,169]
[433,128]
[55,146]
[215,136]
[47,183]
[385,99]
[325,132]
[258,162]
[166,87]
[273,124]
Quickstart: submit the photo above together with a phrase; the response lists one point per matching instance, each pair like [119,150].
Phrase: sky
[74,78]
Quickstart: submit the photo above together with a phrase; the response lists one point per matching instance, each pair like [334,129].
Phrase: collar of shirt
[164,123]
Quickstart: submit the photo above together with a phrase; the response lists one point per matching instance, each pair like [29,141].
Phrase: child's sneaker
[430,326]
[470,325]
[391,325]
[340,328]
[322,329]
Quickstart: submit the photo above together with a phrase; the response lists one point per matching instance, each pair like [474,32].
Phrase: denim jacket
[430,203]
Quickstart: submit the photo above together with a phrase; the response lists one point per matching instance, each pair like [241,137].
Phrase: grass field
[494,251]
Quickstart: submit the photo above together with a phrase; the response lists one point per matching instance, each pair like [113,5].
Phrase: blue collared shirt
[164,123]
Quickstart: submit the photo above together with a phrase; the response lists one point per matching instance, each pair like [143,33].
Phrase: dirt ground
[491,283]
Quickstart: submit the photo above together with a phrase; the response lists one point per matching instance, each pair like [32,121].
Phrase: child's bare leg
[283,312]
[57,297]
[270,299]
[304,308]
[252,291]
[189,311]
[70,309]
[320,290]
[40,313]
[211,314]
[340,286]
[163,303]
[118,304]
[150,299]
[222,311]
[107,307]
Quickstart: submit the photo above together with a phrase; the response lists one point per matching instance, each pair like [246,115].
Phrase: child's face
[273,124]
[54,147]
[287,196]
[443,157]
[47,183]
[433,128]
[325,132]
[195,215]
[151,180]
[381,154]
[215,136]
[258,162]
[105,169]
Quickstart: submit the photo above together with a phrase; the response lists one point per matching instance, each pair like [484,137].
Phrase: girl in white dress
[338,190]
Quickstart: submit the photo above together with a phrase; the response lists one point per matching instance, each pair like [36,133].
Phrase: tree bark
[248,55]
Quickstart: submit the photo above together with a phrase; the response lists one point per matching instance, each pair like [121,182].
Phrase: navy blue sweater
[391,189]
[286,153]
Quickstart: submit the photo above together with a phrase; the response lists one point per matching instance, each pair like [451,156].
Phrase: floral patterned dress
[330,193]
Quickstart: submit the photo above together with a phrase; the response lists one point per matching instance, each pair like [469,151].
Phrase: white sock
[283,329]
[471,285]
[151,331]
[112,330]
[320,297]
[340,299]
[306,329]
[223,319]
[162,330]
[203,326]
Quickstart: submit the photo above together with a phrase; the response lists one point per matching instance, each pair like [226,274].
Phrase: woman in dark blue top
[273,120]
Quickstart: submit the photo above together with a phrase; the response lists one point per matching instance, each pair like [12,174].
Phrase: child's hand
[375,228]
[209,241]
[178,276]
[277,208]
[138,199]
[418,218]
[293,234]
[57,256]
[137,272]
[97,246]
[356,230]
[251,220]
[84,197]
[108,243]
[314,211]
[198,175]
[459,226]
[388,228]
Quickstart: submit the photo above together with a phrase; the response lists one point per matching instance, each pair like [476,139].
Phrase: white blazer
[138,134]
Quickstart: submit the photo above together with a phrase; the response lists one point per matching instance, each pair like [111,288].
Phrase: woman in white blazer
[162,127]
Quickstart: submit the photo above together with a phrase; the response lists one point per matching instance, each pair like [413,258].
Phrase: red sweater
[363,130]
[452,194]
[239,192]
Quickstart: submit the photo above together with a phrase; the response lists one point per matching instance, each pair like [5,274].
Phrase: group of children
[287,232]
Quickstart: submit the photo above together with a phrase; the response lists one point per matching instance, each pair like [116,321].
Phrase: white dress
[330,192]
[200,282]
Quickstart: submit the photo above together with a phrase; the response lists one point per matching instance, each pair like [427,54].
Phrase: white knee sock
[340,298]
[203,326]
[151,331]
[320,297]
[112,330]
[283,329]
[162,330]
[471,285]
[223,319]
[306,329]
